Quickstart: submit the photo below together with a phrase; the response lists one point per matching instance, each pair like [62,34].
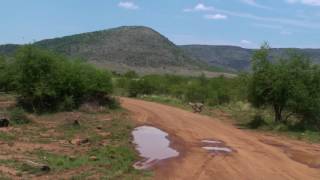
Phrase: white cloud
[128,5]
[255,4]
[215,16]
[268,26]
[246,42]
[199,7]
[306,2]
[280,20]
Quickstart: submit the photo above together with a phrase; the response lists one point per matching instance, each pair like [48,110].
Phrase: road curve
[256,157]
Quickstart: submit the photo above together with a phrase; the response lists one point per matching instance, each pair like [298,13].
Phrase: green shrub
[48,82]
[18,116]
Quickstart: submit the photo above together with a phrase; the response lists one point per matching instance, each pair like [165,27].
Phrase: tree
[3,69]
[286,84]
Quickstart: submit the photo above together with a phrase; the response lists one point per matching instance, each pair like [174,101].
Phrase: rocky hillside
[120,49]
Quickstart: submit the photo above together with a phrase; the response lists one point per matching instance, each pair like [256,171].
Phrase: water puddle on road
[211,141]
[215,147]
[153,146]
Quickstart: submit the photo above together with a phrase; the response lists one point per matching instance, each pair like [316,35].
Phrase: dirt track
[257,156]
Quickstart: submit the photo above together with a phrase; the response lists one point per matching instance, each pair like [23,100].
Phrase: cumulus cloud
[199,7]
[215,16]
[128,5]
[245,42]
[306,2]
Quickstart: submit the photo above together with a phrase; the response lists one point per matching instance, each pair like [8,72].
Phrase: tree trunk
[277,113]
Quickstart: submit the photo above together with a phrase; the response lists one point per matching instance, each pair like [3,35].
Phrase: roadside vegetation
[281,95]
[45,82]
[64,122]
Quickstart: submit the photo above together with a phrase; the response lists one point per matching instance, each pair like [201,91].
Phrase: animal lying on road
[197,107]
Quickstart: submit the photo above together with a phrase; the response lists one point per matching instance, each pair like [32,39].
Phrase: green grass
[82,176]
[69,130]
[114,161]
[4,136]
[4,177]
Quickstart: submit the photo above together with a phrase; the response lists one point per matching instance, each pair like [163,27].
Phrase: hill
[146,51]
[124,48]
[236,58]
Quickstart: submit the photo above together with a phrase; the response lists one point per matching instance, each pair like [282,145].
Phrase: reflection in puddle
[211,142]
[153,146]
[218,149]
[215,147]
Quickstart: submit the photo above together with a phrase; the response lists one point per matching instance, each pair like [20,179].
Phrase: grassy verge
[47,139]
[247,117]
[242,115]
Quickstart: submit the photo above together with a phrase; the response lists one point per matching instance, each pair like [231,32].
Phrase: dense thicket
[211,91]
[47,82]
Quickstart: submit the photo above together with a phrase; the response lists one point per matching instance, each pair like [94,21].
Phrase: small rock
[45,135]
[99,127]
[79,141]
[45,168]
[63,141]
[4,122]
[93,158]
[107,119]
[42,167]
[76,123]
[72,158]
[105,134]
[104,142]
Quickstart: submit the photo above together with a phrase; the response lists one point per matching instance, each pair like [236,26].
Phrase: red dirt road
[256,157]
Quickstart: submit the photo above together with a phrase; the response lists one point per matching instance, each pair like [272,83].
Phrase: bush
[48,82]
[18,116]
[257,122]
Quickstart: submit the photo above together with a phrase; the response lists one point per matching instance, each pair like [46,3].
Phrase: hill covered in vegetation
[121,49]
[237,58]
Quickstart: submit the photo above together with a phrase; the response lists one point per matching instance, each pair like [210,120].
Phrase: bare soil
[255,156]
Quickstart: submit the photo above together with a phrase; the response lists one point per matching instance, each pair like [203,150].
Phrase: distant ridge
[237,58]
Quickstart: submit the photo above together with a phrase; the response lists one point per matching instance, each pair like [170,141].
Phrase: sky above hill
[246,23]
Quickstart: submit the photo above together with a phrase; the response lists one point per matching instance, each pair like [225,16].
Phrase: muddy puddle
[153,145]
[215,147]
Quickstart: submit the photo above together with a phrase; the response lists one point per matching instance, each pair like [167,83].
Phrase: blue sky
[246,23]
